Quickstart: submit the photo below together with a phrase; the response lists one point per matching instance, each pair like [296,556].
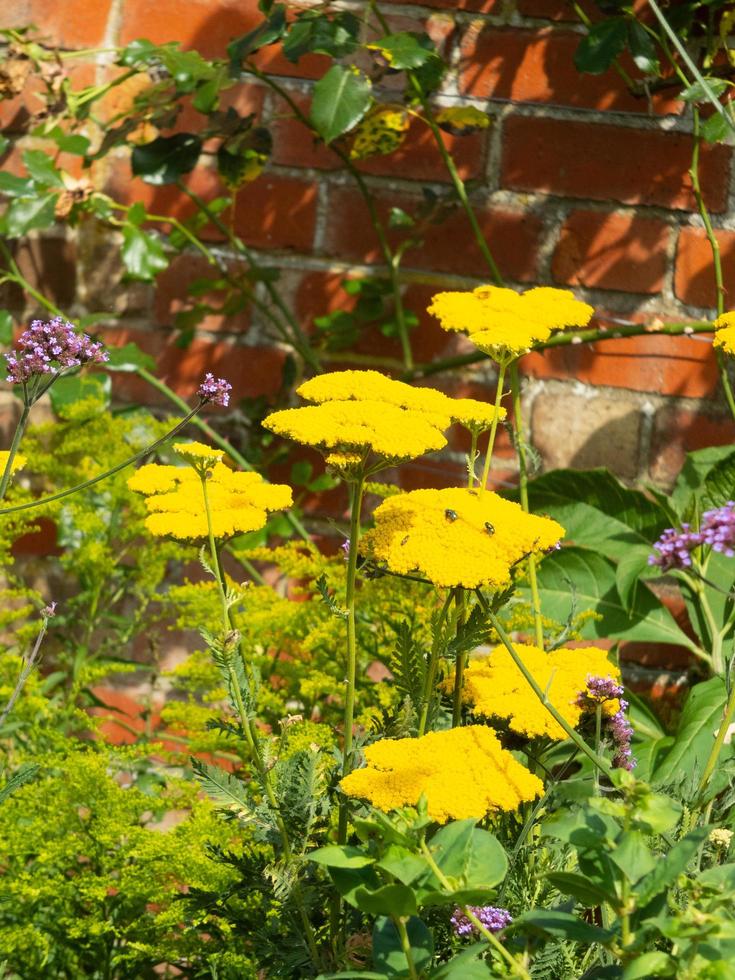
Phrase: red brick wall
[576,183]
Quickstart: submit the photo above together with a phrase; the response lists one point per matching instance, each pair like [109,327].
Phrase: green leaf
[561,925]
[13,186]
[70,142]
[656,813]
[336,856]
[486,864]
[668,870]
[649,965]
[128,358]
[642,48]
[6,328]
[719,483]
[41,168]
[23,775]
[4,144]
[717,128]
[27,213]
[581,827]
[697,92]
[466,965]
[406,49]
[142,254]
[80,396]
[335,35]
[693,476]
[633,855]
[593,577]
[222,787]
[341,99]
[394,900]
[696,733]
[450,847]
[586,892]
[388,954]
[166,158]
[268,32]
[347,881]
[604,42]
[402,863]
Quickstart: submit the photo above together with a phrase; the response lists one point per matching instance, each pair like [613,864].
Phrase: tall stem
[599,762]
[12,452]
[356,509]
[436,646]
[493,427]
[515,388]
[405,946]
[460,664]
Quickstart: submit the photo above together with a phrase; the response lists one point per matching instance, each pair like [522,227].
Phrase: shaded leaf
[166,158]
[604,42]
[341,98]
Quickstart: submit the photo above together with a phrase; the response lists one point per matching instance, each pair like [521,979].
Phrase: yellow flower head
[726,320]
[239,502]
[457,536]
[18,463]
[495,687]
[475,415]
[358,426]
[505,323]
[725,333]
[463,772]
[197,453]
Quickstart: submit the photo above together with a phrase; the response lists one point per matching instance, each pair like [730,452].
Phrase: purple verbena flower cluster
[215,390]
[49,348]
[601,689]
[716,530]
[491,917]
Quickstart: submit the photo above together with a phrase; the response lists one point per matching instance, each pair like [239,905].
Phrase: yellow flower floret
[239,502]
[724,338]
[725,320]
[350,426]
[495,687]
[197,453]
[504,322]
[342,386]
[18,463]
[457,536]
[474,414]
[462,772]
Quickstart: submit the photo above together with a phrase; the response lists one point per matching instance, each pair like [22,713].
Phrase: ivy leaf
[142,254]
[601,46]
[341,99]
[166,158]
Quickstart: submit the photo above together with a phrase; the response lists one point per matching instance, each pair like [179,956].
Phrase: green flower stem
[392,259]
[248,725]
[515,388]
[436,647]
[405,945]
[471,459]
[502,366]
[20,429]
[460,664]
[598,742]
[517,969]
[42,501]
[357,489]
[216,438]
[598,761]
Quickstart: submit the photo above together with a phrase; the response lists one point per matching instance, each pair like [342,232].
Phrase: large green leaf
[561,925]
[696,734]
[666,872]
[41,168]
[341,99]
[604,42]
[406,49]
[593,577]
[27,213]
[693,476]
[142,254]
[341,856]
[166,158]
[388,954]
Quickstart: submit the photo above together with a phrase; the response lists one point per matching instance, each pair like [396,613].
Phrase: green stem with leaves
[356,491]
[436,646]
[20,429]
[502,366]
[400,925]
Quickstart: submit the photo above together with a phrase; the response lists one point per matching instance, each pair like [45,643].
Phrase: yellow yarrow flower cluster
[18,463]
[239,502]
[462,772]
[197,453]
[495,688]
[505,323]
[457,536]
[724,338]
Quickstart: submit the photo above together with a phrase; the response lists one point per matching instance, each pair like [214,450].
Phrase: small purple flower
[675,547]
[345,546]
[48,611]
[717,529]
[598,690]
[215,390]
[49,348]
[491,917]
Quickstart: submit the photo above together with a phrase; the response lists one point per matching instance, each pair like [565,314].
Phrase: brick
[602,162]
[277,212]
[677,432]
[72,24]
[205,25]
[611,251]
[319,293]
[294,144]
[694,280]
[447,246]
[252,371]
[668,365]
[474,6]
[571,430]
[538,66]
[49,264]
[172,295]
[272,61]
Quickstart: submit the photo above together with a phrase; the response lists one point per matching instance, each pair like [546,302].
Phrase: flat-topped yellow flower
[725,320]
[505,323]
[18,463]
[475,415]
[197,453]
[341,386]
[462,772]
[495,688]
[724,338]
[457,536]
[239,502]
[360,426]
